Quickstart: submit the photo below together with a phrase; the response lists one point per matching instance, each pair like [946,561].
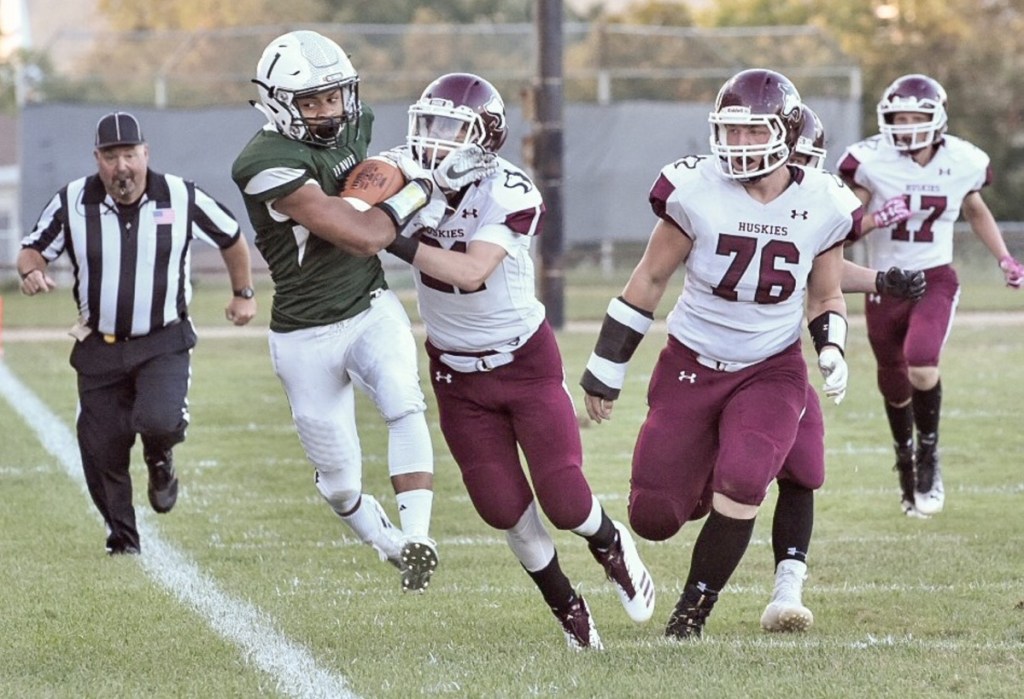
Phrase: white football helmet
[303,63]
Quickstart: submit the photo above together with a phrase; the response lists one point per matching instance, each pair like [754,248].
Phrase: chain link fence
[602,62]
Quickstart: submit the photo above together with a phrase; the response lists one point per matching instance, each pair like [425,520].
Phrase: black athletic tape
[829,329]
[404,248]
[622,331]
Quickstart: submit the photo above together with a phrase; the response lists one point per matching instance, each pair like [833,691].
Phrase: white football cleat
[910,509]
[625,570]
[786,611]
[932,502]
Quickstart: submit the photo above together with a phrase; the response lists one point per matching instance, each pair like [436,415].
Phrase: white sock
[593,521]
[414,508]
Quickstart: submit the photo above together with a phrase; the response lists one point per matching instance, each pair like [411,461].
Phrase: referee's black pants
[126,388]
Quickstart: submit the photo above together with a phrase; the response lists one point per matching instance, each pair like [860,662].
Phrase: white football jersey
[935,193]
[746,276]
[505,209]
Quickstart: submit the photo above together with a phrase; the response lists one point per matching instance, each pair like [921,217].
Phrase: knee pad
[341,491]
[409,447]
[894,384]
[326,447]
[747,465]
[653,515]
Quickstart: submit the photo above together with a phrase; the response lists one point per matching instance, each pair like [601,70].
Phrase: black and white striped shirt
[131,264]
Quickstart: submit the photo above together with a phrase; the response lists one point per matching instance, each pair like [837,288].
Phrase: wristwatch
[246,292]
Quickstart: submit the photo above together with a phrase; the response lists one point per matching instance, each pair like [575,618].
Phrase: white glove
[463,166]
[833,368]
[401,158]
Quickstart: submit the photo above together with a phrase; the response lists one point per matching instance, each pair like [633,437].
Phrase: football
[373,180]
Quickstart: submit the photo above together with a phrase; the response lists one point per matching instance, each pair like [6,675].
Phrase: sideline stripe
[292,667]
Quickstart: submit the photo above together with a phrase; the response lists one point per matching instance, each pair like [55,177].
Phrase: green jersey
[315,282]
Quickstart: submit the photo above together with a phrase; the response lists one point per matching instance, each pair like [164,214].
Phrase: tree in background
[131,15]
[975,49]
[445,11]
[36,75]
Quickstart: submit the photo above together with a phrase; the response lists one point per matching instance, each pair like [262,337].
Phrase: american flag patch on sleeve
[163,216]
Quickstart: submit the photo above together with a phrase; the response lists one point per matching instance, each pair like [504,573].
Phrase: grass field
[251,587]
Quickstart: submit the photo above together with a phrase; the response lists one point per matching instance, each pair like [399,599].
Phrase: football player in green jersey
[334,324]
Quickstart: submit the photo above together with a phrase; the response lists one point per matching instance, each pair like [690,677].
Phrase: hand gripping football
[372,181]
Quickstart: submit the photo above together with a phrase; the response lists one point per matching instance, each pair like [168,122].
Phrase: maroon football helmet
[755,97]
[454,110]
[915,93]
[810,146]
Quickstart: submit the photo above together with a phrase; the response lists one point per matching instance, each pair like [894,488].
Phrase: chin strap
[258,106]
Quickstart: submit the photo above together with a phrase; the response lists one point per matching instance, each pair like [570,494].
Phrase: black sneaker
[930,496]
[117,546]
[578,625]
[163,482]
[904,468]
[692,609]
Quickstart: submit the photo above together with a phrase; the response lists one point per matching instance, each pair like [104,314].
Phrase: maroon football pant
[805,463]
[906,333]
[712,431]
[487,417]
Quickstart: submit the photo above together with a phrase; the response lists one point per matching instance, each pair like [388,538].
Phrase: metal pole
[548,150]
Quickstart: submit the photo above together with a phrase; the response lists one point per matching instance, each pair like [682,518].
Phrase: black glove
[901,283]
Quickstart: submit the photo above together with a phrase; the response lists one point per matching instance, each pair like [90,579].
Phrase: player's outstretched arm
[628,319]
[895,282]
[359,233]
[978,215]
[826,311]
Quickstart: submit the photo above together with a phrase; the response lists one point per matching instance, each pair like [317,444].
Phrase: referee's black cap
[118,129]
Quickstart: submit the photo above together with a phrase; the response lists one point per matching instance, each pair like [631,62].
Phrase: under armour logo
[945,171]
[874,298]
[793,213]
[439,377]
[466,213]
[683,376]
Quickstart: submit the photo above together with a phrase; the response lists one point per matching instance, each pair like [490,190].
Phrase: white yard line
[292,667]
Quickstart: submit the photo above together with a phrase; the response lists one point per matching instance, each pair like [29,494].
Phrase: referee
[127,231]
